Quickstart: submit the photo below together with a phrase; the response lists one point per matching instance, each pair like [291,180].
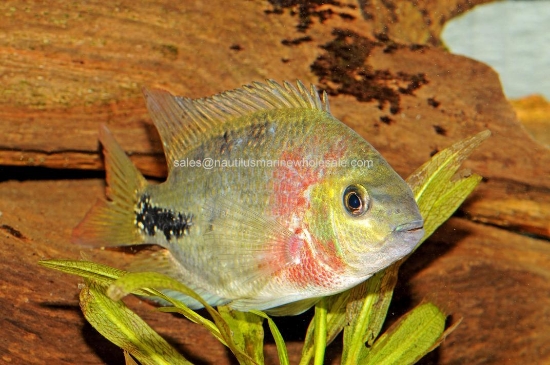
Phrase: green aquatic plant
[359,312]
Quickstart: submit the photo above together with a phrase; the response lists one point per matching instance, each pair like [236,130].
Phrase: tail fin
[111,223]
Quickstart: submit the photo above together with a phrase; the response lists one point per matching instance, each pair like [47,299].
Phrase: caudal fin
[111,222]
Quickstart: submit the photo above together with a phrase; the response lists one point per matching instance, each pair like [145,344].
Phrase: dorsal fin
[182,122]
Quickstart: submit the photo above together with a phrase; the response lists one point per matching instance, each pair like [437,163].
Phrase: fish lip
[404,238]
[413,226]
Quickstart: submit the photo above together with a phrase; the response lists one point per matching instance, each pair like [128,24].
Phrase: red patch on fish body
[319,268]
[309,263]
[295,173]
[291,179]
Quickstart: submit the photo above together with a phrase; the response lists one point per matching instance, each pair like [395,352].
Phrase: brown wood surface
[67,67]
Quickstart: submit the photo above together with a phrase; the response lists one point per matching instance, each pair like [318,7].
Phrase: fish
[270,202]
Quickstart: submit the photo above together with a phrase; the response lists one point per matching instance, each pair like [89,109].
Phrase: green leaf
[102,274]
[281,347]
[107,275]
[336,318]
[367,313]
[438,195]
[247,331]
[133,281]
[125,329]
[409,339]
[320,342]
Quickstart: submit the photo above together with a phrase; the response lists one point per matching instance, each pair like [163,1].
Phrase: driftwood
[68,68]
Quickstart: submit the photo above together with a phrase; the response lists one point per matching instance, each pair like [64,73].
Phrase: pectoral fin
[249,246]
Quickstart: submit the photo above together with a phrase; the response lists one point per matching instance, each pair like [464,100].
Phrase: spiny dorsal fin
[181,122]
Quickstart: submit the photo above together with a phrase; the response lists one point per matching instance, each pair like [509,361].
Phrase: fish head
[370,215]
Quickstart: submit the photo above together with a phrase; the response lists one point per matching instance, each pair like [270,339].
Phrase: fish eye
[356,200]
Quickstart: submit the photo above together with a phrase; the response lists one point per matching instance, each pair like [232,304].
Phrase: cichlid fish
[270,202]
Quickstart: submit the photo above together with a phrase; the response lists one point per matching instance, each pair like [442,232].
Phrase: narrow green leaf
[103,274]
[336,319]
[443,165]
[100,273]
[433,187]
[279,341]
[247,331]
[409,339]
[308,350]
[320,342]
[367,313]
[107,275]
[124,328]
[380,288]
[133,281]
[449,201]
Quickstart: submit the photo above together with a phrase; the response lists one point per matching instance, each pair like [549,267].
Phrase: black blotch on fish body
[252,136]
[151,219]
[257,132]
[226,143]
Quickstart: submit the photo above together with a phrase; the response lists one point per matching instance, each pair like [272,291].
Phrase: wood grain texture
[66,68]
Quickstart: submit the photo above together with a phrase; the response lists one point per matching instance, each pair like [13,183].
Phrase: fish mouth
[413,227]
[405,238]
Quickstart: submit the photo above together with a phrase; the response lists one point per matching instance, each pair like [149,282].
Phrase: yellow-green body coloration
[295,207]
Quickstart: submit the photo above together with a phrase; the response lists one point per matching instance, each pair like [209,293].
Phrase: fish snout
[410,233]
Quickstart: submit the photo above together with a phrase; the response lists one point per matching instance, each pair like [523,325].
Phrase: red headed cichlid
[270,202]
